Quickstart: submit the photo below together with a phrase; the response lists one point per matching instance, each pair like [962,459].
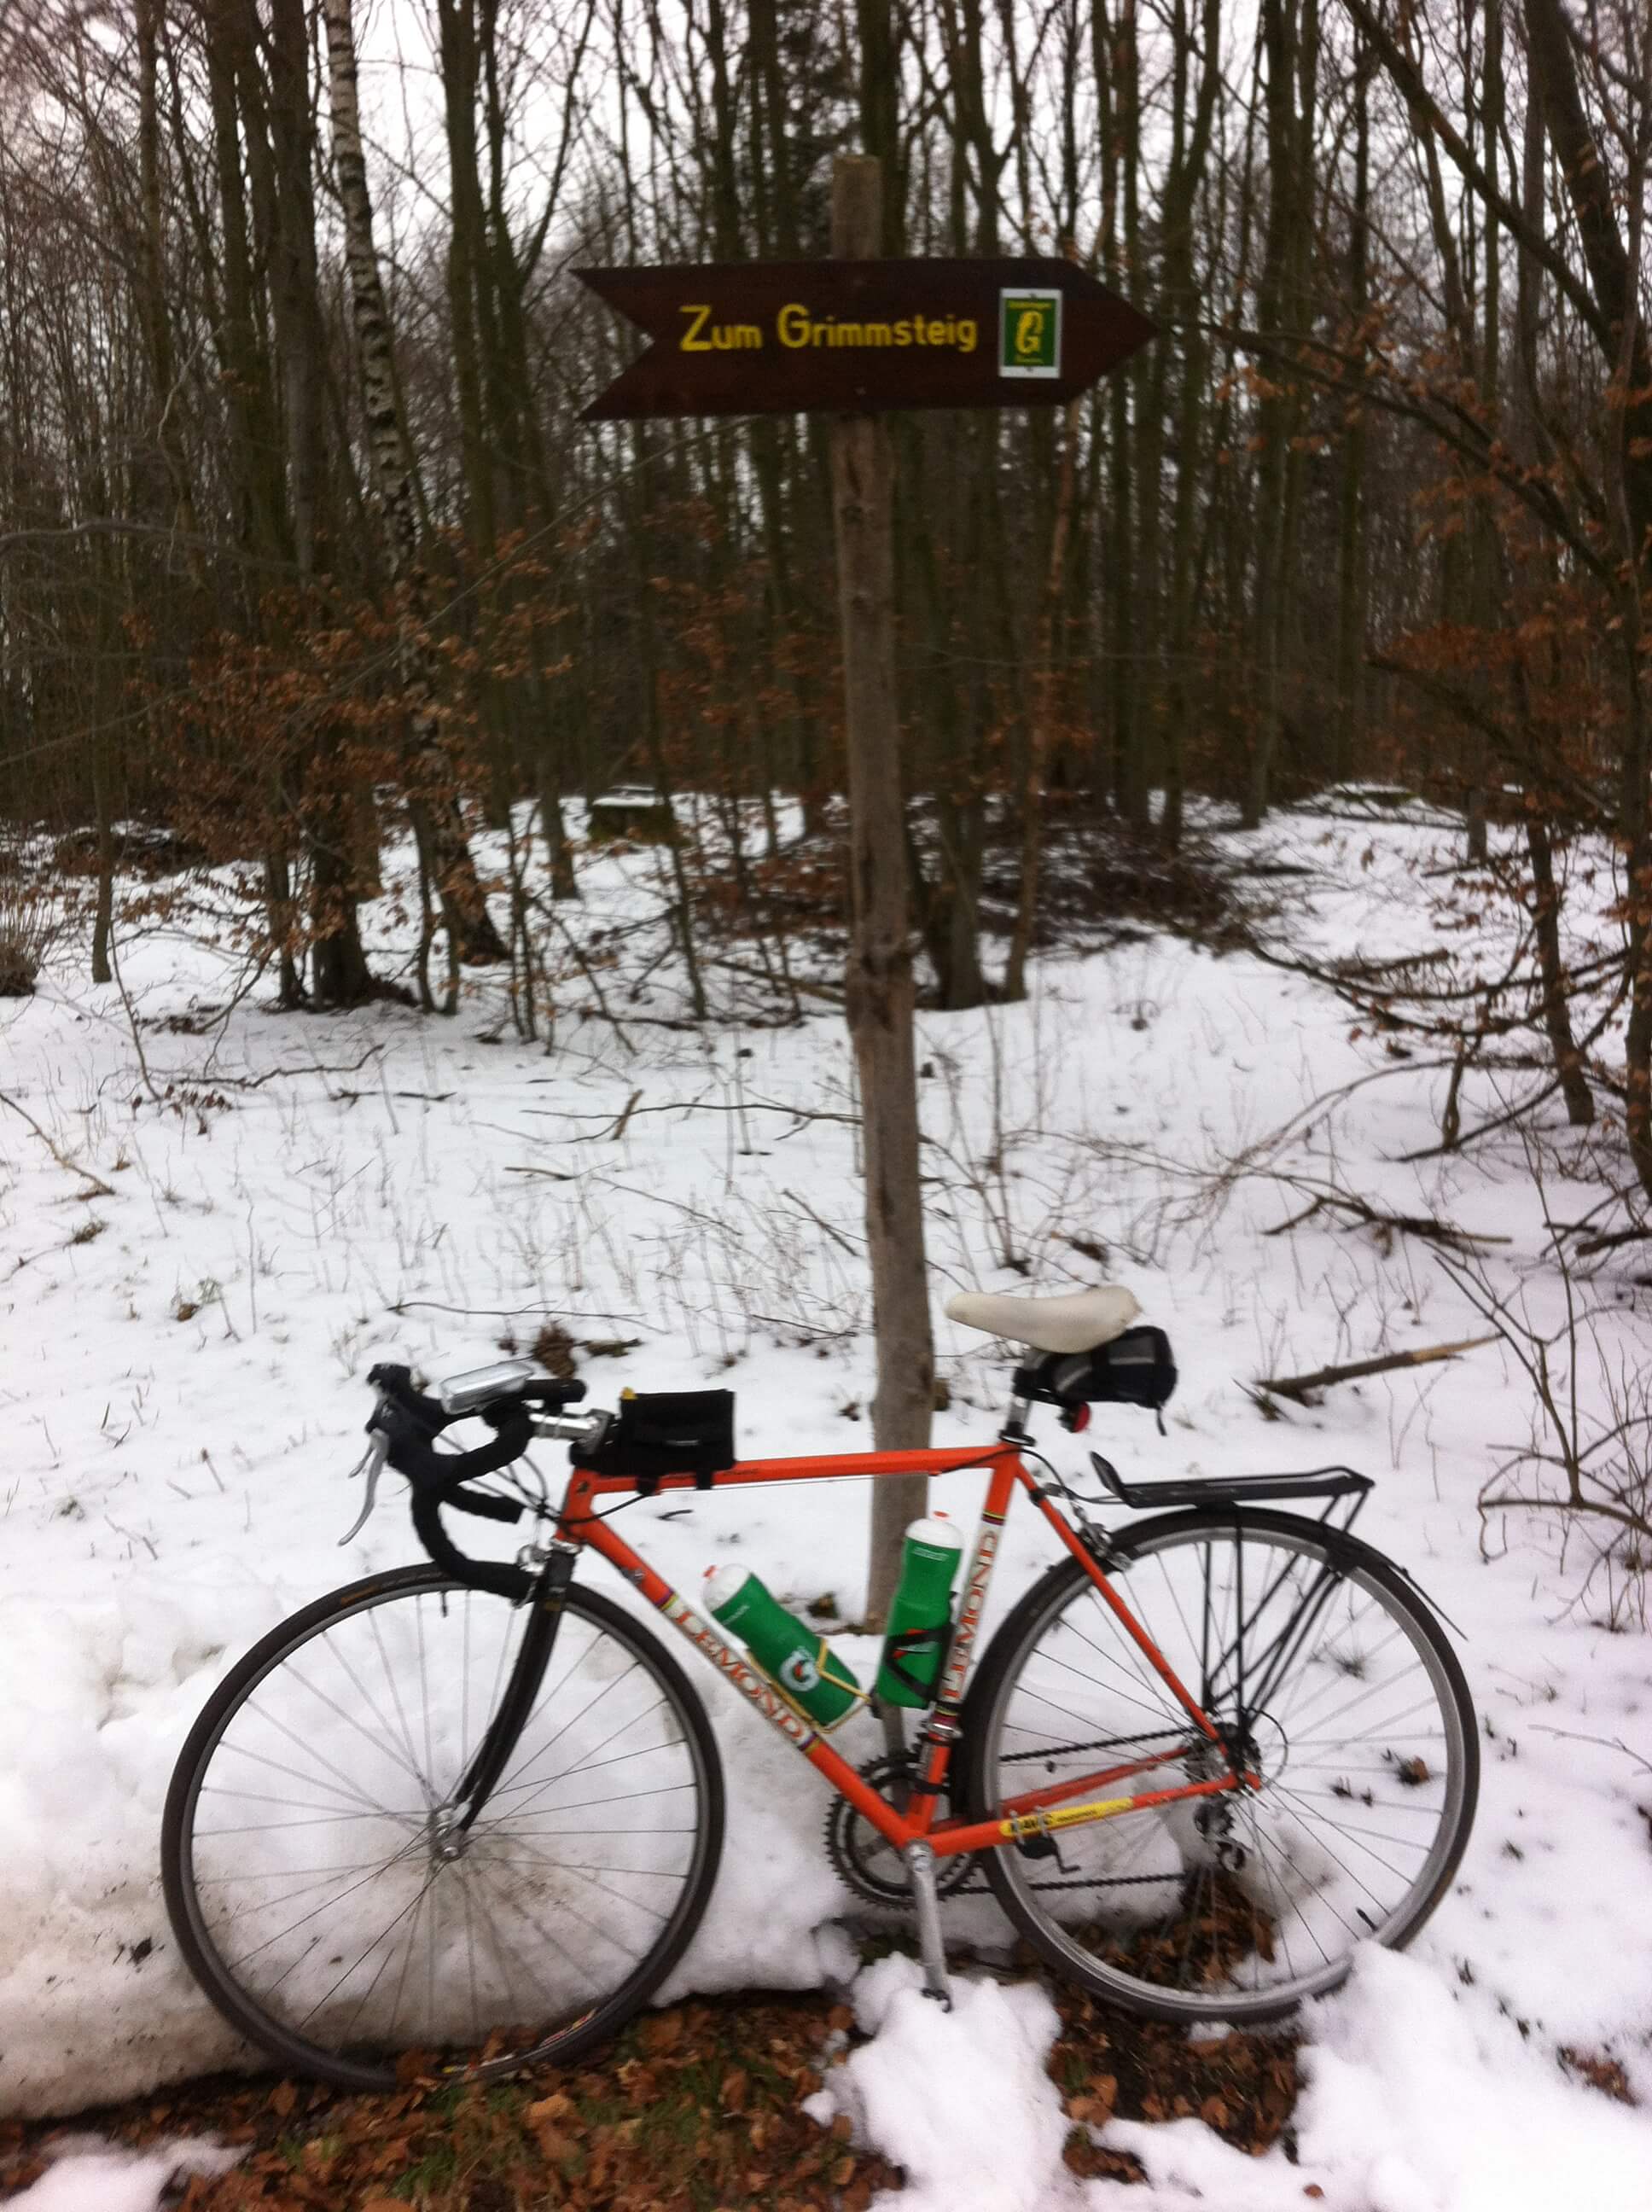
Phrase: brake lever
[372,1463]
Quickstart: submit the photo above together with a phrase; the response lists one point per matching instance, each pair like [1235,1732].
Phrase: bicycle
[465,1816]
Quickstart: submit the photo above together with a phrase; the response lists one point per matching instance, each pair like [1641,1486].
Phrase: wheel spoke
[1318,1675]
[338,1945]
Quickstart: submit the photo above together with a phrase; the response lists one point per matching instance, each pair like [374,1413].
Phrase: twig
[1408,1225]
[1298,1386]
[508,1313]
[617,1130]
[825,1227]
[94,1186]
[1604,1742]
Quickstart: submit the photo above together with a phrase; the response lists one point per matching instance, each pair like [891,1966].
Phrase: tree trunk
[427,766]
[880,980]
[1042,717]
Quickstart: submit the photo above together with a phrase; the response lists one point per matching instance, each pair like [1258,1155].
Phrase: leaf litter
[697,2108]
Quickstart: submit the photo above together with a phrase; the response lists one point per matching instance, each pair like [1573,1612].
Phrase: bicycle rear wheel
[322,1887]
[1333,1684]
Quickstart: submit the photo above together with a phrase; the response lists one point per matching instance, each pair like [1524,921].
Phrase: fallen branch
[95,1187]
[1297,1387]
[1593,1245]
[1423,1225]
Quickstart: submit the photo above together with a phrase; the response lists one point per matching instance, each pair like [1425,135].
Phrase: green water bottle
[921,1613]
[802,1663]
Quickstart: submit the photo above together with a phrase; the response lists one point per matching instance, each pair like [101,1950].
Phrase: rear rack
[1230,1489]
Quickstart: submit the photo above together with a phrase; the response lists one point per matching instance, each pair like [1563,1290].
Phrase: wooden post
[880,979]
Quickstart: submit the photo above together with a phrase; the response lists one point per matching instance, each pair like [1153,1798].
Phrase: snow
[87,2175]
[960,2098]
[1412,2104]
[293,1199]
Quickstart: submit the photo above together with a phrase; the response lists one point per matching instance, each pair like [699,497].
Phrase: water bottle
[787,1650]
[921,1613]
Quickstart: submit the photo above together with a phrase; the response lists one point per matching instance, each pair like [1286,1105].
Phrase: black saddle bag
[1136,1369]
[660,1432]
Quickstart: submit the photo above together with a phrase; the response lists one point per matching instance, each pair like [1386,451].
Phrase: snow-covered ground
[291,1198]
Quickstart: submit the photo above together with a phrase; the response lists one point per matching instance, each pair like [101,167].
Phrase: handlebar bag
[1137,1368]
[660,1432]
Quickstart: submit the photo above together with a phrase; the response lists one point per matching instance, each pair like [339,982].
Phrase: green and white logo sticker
[1029,334]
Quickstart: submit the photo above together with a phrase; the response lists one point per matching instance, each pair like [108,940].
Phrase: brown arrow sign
[783,338]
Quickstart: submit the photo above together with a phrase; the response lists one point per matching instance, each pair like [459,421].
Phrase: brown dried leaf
[737,2083]
[282,2097]
[661,2032]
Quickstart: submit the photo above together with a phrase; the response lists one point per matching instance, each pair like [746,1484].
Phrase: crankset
[869,1863]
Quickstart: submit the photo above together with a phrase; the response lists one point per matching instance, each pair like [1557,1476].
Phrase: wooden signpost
[857,336]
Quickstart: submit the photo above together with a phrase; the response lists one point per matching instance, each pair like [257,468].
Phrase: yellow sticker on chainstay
[1062,1816]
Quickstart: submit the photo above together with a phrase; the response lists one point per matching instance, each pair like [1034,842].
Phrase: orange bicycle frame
[1037,1811]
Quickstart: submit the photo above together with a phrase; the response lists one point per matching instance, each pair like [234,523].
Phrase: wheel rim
[1240,1903]
[349,1916]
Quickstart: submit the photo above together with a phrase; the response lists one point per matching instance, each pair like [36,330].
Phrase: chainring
[867,1862]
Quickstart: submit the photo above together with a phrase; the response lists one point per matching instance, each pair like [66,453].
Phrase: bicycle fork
[500,1737]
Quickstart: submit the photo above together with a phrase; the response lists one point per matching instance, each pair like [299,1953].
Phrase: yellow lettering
[966,336]
[848,334]
[937,333]
[792,325]
[691,341]
[1029,330]
[880,334]
[903,334]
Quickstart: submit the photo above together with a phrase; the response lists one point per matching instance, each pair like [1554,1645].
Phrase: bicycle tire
[266,1722]
[1188,1928]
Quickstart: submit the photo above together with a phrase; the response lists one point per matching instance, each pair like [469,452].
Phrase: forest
[303,534]
[445,825]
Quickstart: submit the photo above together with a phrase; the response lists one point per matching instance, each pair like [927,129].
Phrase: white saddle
[1077,1323]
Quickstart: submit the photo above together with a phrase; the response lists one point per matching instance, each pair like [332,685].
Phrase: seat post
[1015,1430]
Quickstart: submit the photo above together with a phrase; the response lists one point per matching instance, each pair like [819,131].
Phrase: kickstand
[920,1873]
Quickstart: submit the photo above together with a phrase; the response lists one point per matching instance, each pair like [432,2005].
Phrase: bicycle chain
[1081,1882]
[976,1886]
[1101,1743]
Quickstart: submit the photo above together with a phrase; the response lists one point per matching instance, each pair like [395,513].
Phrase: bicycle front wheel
[323,1887]
[1332,1687]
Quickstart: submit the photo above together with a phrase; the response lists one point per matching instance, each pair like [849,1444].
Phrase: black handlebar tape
[396,1383]
[514,1582]
[408,1449]
[485,1507]
[438,1480]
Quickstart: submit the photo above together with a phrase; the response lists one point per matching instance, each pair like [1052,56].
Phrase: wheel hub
[447,1840]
